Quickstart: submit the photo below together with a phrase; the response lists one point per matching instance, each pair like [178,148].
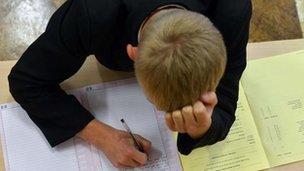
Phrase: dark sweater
[103,28]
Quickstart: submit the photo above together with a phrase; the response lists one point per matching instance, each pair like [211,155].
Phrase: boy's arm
[55,56]
[223,115]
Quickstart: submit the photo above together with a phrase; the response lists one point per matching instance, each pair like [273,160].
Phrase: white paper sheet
[125,100]
[25,148]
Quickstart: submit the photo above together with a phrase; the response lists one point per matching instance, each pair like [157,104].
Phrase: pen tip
[122,120]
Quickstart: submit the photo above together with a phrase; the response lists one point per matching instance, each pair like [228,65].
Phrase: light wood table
[92,73]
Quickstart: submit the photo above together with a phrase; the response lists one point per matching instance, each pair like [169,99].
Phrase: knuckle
[196,104]
[176,114]
[187,109]
[146,143]
[129,153]
[199,110]
[168,116]
[213,94]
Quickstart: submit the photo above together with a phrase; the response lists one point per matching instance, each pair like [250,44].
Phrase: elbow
[12,83]
[15,87]
[222,123]
[226,127]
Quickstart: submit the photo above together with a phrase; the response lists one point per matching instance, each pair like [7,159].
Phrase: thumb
[146,144]
[209,99]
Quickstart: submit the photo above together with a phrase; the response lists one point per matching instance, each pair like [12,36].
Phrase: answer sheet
[118,100]
[25,148]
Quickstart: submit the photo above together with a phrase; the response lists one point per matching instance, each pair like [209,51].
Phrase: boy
[180,62]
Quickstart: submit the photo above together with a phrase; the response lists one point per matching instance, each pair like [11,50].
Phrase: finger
[122,166]
[137,156]
[209,98]
[129,163]
[178,121]
[200,113]
[146,144]
[189,118]
[170,122]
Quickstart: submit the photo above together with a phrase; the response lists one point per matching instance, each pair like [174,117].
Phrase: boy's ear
[132,52]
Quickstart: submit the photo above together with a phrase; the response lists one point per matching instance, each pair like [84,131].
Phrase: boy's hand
[194,120]
[121,151]
[117,145]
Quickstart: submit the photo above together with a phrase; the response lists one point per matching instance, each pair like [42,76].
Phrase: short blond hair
[180,56]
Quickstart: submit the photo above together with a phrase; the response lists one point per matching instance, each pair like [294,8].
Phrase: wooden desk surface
[92,73]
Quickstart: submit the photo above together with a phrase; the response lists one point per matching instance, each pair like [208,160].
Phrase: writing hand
[117,145]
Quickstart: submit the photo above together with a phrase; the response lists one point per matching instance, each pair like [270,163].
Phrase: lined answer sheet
[25,147]
[113,101]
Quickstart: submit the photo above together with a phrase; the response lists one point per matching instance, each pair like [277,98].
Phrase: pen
[138,146]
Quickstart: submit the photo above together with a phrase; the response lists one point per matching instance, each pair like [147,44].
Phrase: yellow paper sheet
[275,91]
[241,150]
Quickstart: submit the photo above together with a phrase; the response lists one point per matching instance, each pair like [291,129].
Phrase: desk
[92,73]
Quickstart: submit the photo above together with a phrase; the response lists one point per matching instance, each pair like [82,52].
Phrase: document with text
[269,126]
[25,148]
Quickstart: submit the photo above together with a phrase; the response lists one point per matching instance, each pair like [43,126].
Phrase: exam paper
[275,91]
[241,150]
[111,102]
[25,148]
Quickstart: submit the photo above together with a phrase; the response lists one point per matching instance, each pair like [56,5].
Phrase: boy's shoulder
[232,18]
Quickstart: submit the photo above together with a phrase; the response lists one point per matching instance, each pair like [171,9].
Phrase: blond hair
[180,56]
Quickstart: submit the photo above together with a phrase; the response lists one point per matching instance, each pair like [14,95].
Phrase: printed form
[274,89]
[25,148]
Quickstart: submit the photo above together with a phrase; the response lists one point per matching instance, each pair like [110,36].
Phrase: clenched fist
[195,120]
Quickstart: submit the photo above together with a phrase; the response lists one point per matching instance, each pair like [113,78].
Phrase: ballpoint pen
[137,145]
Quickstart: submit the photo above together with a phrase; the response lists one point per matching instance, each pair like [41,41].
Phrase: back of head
[181,56]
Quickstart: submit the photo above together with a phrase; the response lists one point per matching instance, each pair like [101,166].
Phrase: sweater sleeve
[223,115]
[55,56]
